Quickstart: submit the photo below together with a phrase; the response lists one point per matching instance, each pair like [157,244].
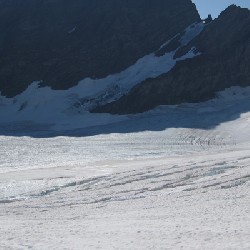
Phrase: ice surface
[182,185]
[176,177]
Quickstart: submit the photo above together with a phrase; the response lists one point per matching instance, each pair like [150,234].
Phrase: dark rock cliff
[224,62]
[61,42]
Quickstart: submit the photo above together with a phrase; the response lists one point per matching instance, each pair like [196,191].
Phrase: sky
[214,7]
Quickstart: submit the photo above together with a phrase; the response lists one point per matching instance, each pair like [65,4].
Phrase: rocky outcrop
[61,42]
[224,62]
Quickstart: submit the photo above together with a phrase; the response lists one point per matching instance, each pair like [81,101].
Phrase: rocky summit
[61,42]
[222,61]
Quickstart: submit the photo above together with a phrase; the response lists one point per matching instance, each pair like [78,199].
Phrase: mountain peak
[234,10]
[62,42]
[223,61]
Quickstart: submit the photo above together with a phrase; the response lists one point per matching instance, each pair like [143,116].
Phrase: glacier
[69,109]
[175,177]
[172,187]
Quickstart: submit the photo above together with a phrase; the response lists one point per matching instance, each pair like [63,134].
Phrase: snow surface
[176,177]
[191,32]
[63,110]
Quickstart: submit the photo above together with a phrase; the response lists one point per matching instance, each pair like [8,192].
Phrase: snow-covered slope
[181,187]
[69,108]
[220,123]
[176,177]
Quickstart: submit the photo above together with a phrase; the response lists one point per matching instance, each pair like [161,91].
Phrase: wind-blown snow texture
[179,187]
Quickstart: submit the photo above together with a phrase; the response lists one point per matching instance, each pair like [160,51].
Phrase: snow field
[178,187]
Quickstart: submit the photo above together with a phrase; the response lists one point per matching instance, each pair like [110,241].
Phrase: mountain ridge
[222,63]
[62,42]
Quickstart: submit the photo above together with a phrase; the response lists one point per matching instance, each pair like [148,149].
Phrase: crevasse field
[176,177]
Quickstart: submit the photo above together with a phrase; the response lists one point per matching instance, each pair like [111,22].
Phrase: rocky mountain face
[223,61]
[60,42]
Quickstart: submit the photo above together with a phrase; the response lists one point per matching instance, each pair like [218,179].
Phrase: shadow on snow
[198,116]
